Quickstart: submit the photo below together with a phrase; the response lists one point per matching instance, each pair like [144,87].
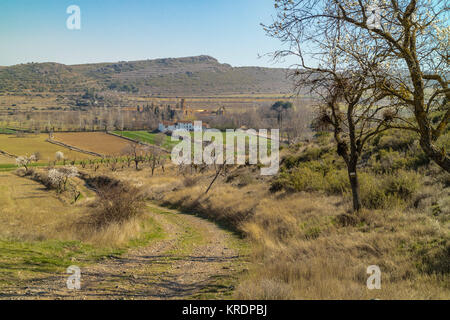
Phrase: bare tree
[411,36]
[350,106]
[135,154]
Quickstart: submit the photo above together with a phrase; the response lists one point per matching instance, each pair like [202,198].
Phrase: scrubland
[306,242]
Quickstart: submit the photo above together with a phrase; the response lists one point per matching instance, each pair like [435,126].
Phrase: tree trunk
[214,180]
[434,154]
[354,183]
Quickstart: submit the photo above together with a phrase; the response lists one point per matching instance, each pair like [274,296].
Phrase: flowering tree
[410,38]
[59,156]
[59,177]
[24,161]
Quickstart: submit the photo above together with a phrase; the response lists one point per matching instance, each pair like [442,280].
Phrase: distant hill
[201,75]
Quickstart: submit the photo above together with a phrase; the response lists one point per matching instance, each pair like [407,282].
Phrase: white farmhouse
[186,125]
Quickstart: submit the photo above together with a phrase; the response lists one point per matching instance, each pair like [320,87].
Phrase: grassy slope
[308,246]
[34,239]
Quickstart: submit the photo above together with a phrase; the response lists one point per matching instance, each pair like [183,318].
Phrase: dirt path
[195,259]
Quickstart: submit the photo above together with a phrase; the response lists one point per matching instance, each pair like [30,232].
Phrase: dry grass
[29,212]
[307,246]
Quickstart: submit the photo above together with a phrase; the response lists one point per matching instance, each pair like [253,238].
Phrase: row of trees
[134,154]
[292,118]
[374,68]
[95,120]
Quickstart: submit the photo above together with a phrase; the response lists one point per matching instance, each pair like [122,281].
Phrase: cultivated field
[149,138]
[29,144]
[146,137]
[98,142]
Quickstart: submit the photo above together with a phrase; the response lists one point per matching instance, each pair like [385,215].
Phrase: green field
[146,137]
[6,131]
[149,138]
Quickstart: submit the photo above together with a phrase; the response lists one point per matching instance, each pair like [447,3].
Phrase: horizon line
[145,59]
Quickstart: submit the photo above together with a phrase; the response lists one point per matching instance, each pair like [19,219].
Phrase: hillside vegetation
[202,75]
[308,244]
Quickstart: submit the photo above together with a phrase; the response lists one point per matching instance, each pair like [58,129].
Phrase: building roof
[172,123]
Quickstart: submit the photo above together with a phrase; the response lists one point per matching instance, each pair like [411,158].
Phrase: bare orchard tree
[134,153]
[412,37]
[154,157]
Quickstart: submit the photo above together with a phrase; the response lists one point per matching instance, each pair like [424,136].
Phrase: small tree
[56,179]
[25,161]
[280,107]
[60,177]
[59,156]
[135,154]
[350,107]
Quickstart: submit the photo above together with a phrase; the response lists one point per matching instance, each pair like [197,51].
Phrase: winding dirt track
[196,259]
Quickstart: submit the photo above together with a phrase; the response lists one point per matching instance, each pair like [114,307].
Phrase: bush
[385,191]
[337,182]
[403,184]
[391,161]
[395,140]
[305,179]
[117,203]
[371,191]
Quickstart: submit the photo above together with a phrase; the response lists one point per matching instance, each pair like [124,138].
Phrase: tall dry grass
[307,245]
[111,215]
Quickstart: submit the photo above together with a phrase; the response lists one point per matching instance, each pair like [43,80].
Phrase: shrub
[336,182]
[190,181]
[117,203]
[391,160]
[403,184]
[372,194]
[395,140]
[305,179]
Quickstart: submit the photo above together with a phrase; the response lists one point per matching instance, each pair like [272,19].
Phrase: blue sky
[124,30]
